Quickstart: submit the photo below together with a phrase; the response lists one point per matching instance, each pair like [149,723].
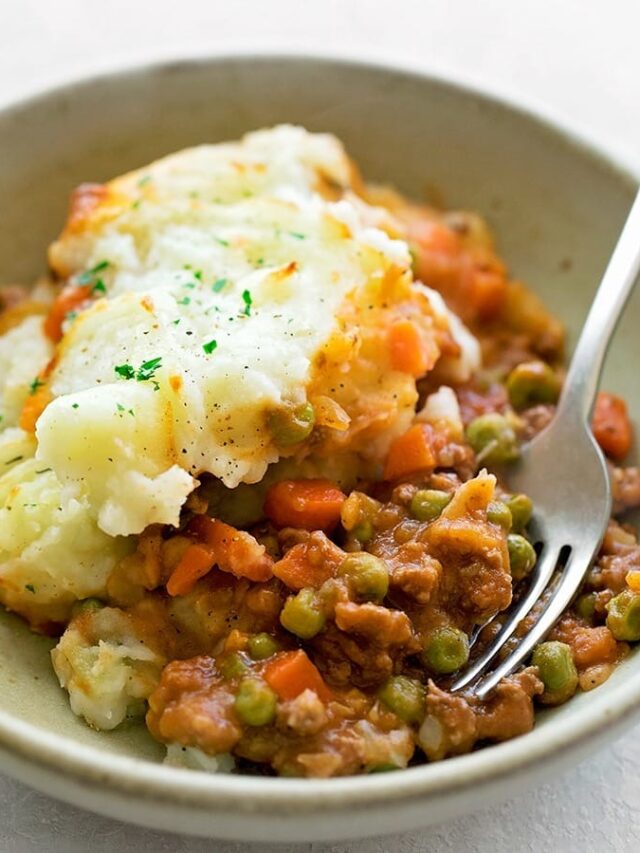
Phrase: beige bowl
[556,206]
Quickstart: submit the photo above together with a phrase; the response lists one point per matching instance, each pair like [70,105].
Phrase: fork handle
[584,372]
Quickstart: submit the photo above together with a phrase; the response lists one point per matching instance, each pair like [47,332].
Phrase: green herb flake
[184,301]
[144,180]
[35,384]
[88,276]
[221,241]
[125,370]
[177,322]
[298,235]
[210,346]
[197,274]
[148,368]
[99,287]
[75,405]
[219,284]
[30,587]
[248,302]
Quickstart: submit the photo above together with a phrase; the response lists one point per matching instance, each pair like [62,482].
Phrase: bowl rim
[97,768]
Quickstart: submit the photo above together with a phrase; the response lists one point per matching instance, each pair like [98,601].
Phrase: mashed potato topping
[230,285]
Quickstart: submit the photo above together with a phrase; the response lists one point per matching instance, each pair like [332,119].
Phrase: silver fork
[565,474]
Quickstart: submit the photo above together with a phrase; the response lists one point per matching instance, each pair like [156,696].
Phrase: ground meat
[192,706]
[454,724]
[346,659]
[474,402]
[416,579]
[305,715]
[625,484]
[535,420]
[590,646]
[381,626]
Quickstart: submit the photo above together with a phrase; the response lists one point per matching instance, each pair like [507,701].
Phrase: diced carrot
[410,453]
[309,563]
[611,425]
[488,292]
[307,504]
[195,563]
[291,673]
[66,301]
[235,551]
[434,236]
[34,406]
[633,580]
[407,349]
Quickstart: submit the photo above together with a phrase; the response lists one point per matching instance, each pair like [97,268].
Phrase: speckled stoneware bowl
[556,206]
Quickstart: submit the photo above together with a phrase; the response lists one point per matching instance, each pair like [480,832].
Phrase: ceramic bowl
[556,206]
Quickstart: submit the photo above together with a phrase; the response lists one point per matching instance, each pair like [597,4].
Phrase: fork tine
[542,574]
[569,582]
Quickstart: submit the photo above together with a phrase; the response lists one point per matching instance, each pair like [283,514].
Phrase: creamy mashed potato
[231,285]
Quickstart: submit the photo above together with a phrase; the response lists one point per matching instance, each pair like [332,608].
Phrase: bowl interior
[556,208]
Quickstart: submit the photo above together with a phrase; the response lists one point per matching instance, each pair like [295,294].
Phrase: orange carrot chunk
[407,349]
[306,504]
[611,425]
[34,405]
[410,453]
[66,301]
[195,563]
[291,673]
[307,565]
[235,551]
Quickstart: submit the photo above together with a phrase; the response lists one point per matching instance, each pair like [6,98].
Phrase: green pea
[262,646]
[368,576]
[623,616]
[532,382]
[302,616]
[522,557]
[521,508]
[405,697]
[500,514]
[87,605]
[232,665]
[363,532]
[255,702]
[427,504]
[493,439]
[291,425]
[557,670]
[585,606]
[447,650]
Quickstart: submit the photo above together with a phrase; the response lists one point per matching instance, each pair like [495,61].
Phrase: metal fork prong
[571,577]
[540,578]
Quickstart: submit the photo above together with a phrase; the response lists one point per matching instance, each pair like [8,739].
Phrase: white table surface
[576,58]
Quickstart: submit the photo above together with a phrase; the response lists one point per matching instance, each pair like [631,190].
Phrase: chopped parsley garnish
[30,587]
[298,235]
[210,346]
[184,301]
[176,322]
[75,405]
[125,370]
[37,383]
[219,284]
[88,277]
[221,241]
[248,302]
[145,372]
[147,369]
[99,287]
[121,409]
[15,459]
[197,274]
[144,180]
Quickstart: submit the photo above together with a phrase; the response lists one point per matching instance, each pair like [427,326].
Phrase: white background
[578,59]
